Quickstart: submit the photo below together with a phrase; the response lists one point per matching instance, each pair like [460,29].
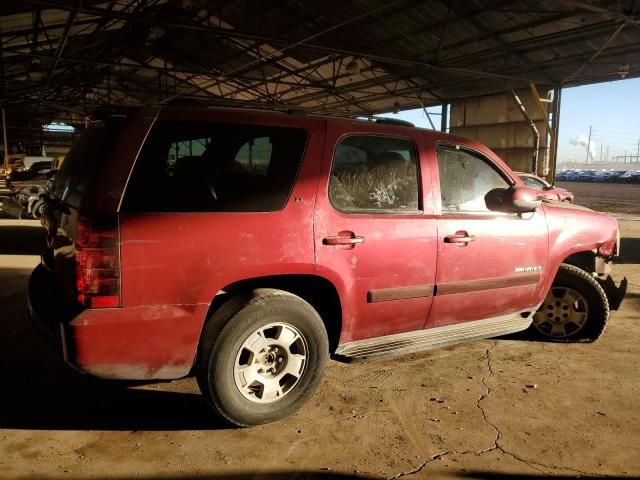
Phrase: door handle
[344,238]
[460,238]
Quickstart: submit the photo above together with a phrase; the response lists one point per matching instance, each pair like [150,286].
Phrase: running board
[410,342]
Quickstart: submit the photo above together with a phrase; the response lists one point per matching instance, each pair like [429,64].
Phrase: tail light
[98,262]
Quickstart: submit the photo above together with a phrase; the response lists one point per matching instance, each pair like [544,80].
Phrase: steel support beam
[555,128]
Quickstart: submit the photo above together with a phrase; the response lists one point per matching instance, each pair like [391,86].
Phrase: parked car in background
[601,176]
[26,188]
[545,188]
[249,246]
[27,202]
[561,176]
[14,162]
[571,176]
[632,176]
[586,176]
[28,162]
[37,175]
[615,176]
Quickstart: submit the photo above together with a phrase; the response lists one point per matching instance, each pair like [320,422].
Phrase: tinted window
[213,167]
[372,173]
[82,164]
[464,181]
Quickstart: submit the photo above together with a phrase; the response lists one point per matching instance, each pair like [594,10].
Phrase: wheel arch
[585,260]
[319,292]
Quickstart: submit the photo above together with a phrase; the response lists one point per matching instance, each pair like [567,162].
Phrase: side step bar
[410,342]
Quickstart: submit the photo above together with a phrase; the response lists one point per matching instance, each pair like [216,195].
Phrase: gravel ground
[489,409]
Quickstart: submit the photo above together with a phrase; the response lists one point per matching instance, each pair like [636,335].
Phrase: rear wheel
[575,308]
[262,356]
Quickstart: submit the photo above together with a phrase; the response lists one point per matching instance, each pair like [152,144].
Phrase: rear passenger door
[489,264]
[374,232]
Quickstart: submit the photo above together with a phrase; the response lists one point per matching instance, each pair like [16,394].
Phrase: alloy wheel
[270,362]
[563,314]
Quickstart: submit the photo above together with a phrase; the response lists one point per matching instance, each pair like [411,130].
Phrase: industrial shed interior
[62,61]
[186,249]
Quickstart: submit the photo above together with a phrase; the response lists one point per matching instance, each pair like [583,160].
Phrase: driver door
[489,263]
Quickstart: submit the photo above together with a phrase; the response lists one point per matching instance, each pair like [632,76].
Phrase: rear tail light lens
[98,262]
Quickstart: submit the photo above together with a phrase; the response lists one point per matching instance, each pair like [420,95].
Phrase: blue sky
[612,110]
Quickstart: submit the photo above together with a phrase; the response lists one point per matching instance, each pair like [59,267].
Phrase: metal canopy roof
[61,60]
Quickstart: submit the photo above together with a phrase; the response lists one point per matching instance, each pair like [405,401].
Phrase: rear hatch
[83,248]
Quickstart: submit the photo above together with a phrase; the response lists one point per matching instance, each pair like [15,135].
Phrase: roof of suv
[375,121]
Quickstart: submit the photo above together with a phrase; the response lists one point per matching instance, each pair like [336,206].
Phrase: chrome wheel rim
[563,313]
[270,362]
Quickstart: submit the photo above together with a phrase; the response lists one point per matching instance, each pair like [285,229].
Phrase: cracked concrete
[446,413]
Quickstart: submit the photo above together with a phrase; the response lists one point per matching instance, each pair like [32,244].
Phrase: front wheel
[575,309]
[262,356]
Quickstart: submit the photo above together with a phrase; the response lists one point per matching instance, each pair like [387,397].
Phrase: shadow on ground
[41,392]
[22,239]
[528,476]
[630,250]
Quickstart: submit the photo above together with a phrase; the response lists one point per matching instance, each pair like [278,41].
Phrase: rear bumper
[135,343]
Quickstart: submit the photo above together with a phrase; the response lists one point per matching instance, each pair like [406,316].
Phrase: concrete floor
[490,409]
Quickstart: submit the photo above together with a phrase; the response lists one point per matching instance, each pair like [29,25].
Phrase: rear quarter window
[215,167]
[84,162]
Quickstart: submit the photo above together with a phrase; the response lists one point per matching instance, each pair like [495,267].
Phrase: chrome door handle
[459,238]
[344,239]
[338,240]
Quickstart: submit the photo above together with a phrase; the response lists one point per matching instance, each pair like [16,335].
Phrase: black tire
[594,303]
[37,210]
[223,338]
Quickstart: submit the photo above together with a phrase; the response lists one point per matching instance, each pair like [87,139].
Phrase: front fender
[574,229]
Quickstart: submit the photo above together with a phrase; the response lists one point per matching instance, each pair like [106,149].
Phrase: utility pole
[600,158]
[589,144]
[607,153]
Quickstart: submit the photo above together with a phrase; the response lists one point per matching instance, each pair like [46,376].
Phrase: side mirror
[512,200]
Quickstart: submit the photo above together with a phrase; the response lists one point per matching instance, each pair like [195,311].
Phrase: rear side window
[465,179]
[374,174]
[84,162]
[215,167]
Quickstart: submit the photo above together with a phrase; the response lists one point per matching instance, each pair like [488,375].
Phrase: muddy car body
[280,239]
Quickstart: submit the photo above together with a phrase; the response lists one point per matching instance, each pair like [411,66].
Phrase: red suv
[249,246]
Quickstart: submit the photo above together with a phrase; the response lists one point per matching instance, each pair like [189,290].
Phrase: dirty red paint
[172,265]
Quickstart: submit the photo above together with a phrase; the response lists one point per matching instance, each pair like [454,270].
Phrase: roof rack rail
[394,121]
